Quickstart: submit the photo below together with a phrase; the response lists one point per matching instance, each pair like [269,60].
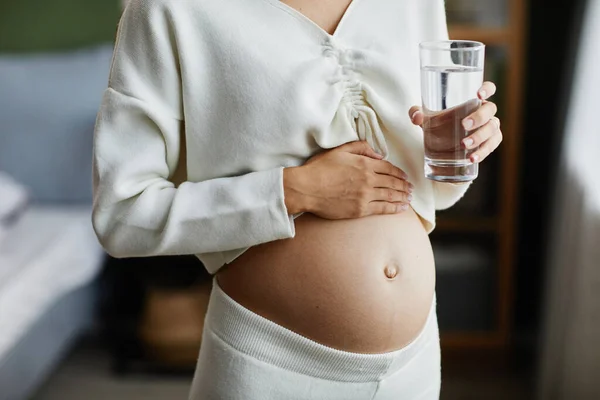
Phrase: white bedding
[47,253]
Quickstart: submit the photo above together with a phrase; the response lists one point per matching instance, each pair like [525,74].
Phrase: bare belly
[363,285]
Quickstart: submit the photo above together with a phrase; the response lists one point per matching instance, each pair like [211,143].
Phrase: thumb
[361,148]
[416,115]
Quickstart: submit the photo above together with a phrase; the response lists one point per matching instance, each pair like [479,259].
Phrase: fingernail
[404,207]
[474,158]
[468,142]
[483,94]
[468,124]
[409,198]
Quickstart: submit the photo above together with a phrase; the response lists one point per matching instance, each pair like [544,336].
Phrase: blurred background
[517,259]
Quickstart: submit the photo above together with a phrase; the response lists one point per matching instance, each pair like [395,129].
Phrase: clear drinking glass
[451,76]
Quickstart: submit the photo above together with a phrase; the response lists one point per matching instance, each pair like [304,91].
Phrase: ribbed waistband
[274,344]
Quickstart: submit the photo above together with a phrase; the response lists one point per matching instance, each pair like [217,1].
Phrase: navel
[391,271]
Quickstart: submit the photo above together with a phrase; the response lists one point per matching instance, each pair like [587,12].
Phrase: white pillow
[13,201]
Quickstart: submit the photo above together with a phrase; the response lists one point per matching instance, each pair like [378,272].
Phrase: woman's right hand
[350,181]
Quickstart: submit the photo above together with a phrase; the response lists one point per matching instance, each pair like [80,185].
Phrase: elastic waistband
[274,344]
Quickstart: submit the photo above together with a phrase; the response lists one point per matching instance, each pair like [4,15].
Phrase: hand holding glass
[451,75]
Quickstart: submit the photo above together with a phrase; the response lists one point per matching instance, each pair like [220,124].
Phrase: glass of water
[451,76]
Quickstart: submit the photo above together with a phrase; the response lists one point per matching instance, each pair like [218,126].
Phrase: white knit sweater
[237,90]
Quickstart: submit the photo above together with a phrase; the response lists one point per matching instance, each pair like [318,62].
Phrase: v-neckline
[308,21]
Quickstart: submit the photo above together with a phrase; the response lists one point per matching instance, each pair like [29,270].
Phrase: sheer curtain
[570,360]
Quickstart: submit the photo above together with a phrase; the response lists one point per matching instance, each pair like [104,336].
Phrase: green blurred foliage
[54,25]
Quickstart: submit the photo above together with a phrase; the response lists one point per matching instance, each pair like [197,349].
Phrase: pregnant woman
[276,141]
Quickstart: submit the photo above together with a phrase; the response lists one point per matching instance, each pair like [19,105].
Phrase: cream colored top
[236,90]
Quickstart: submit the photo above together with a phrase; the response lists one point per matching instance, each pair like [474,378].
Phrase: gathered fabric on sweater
[234,91]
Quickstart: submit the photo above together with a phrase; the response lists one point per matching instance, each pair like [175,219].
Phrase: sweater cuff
[281,214]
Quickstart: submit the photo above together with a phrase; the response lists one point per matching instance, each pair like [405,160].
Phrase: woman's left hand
[483,125]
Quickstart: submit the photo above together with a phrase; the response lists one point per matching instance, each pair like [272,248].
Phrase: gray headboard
[48,107]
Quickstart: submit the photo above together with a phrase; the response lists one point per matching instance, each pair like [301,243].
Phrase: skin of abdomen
[361,285]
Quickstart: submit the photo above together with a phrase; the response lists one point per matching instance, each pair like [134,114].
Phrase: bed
[49,256]
[48,268]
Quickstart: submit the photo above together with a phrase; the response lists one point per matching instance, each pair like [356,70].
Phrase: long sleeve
[138,211]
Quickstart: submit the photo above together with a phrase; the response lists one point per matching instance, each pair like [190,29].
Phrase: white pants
[244,356]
